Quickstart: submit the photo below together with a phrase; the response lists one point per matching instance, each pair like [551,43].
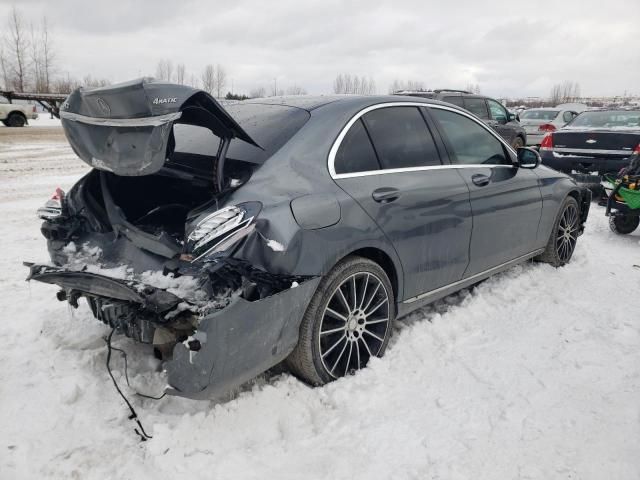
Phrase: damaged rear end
[150,239]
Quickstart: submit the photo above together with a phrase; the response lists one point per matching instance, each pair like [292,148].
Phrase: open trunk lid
[127,128]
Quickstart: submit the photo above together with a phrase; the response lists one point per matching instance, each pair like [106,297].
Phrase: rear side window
[356,154]
[455,100]
[471,143]
[401,138]
[568,116]
[477,106]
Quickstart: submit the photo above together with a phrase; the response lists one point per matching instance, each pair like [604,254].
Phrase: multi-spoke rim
[354,324]
[567,233]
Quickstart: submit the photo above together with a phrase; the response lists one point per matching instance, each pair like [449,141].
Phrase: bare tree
[180,72]
[220,80]
[36,60]
[65,85]
[296,90]
[565,92]
[473,88]
[338,84]
[17,48]
[89,81]
[259,92]
[193,81]
[4,68]
[48,55]
[209,79]
[164,70]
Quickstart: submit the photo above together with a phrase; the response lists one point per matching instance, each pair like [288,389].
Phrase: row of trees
[345,83]
[565,92]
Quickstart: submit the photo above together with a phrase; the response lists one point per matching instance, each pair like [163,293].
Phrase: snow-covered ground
[534,374]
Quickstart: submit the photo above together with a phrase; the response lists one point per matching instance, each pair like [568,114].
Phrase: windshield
[546,115]
[610,119]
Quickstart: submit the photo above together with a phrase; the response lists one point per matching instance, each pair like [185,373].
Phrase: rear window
[612,119]
[271,126]
[546,115]
[477,106]
[455,100]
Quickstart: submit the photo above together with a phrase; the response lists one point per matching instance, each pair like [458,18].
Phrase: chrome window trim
[338,141]
[122,122]
[592,150]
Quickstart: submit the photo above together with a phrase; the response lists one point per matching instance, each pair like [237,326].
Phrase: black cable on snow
[134,416]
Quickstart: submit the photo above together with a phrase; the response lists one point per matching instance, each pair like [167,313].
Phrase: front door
[390,164]
[505,200]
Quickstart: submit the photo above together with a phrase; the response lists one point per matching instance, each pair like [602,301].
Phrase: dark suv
[489,110]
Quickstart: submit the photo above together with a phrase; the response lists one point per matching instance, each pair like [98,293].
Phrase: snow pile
[534,374]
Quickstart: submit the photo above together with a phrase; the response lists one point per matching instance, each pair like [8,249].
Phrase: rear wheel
[348,321]
[623,224]
[16,120]
[564,235]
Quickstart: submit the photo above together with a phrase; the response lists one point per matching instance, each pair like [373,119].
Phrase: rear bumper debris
[209,347]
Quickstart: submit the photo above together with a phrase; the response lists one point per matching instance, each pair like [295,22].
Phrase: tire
[564,235]
[344,346]
[16,120]
[517,143]
[623,224]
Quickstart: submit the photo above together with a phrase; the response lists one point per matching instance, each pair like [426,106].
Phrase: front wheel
[623,224]
[348,321]
[564,235]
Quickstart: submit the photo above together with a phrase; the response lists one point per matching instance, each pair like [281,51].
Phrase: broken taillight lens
[53,208]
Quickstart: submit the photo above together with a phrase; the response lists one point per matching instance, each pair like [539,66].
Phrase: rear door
[390,164]
[505,200]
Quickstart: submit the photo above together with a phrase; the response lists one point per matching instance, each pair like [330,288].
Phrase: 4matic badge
[159,101]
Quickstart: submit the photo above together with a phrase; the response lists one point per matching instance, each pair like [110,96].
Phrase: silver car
[537,122]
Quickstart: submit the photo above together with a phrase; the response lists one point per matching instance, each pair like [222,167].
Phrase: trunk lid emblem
[591,140]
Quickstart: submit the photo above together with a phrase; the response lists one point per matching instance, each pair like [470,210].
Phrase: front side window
[497,111]
[401,138]
[477,107]
[471,143]
[356,153]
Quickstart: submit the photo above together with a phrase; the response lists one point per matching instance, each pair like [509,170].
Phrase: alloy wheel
[567,235]
[354,324]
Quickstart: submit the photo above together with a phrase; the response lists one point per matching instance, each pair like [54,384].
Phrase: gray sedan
[289,229]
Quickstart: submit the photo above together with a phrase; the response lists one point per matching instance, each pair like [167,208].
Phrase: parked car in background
[489,110]
[17,115]
[292,229]
[593,144]
[537,122]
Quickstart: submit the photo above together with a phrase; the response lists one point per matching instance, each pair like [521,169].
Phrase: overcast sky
[510,48]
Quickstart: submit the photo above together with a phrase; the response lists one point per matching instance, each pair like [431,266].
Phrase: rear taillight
[53,208]
[547,142]
[34,109]
[637,149]
[547,127]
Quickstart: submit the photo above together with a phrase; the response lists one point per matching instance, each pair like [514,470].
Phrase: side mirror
[513,117]
[528,158]
[501,119]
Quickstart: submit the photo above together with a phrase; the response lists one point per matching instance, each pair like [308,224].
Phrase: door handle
[385,194]
[480,180]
